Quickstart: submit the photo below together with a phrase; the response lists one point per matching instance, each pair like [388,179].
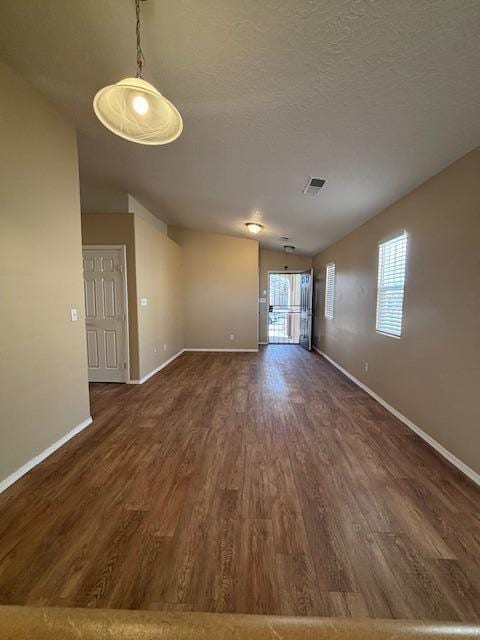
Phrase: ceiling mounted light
[289,248]
[133,109]
[254,227]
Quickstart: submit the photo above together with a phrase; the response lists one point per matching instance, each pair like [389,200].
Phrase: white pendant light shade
[133,109]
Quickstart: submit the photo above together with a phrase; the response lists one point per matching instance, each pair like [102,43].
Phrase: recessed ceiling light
[289,248]
[254,227]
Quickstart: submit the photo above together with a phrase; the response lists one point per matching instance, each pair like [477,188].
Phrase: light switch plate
[144,302]
[73,314]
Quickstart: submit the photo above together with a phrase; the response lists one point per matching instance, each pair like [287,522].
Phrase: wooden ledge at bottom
[56,623]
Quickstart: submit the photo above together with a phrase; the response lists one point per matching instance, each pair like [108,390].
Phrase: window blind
[329,290]
[392,257]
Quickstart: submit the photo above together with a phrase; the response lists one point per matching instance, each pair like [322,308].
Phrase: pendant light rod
[140,56]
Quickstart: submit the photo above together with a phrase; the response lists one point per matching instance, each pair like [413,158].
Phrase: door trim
[123,249]
[268,296]
[310,336]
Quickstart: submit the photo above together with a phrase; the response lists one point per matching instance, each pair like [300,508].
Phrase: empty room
[239,319]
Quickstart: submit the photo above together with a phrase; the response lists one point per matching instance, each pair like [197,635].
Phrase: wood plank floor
[242,482]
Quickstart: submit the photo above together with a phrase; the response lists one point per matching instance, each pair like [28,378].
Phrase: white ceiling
[373,96]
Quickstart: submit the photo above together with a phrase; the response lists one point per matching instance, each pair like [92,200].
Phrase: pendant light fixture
[133,108]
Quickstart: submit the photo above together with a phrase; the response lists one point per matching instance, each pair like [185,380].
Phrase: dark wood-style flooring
[241,482]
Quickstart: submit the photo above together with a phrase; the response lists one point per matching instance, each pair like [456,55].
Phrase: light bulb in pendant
[140,105]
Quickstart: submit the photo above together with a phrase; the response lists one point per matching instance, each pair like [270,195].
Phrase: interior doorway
[290,308]
[284,293]
[104,278]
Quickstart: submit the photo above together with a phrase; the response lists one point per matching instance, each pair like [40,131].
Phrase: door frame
[268,290]
[123,249]
[310,335]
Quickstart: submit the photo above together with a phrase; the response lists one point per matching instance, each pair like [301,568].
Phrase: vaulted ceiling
[375,97]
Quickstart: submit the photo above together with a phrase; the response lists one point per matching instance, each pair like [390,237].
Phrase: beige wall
[275,261]
[153,272]
[96,198]
[134,206]
[220,289]
[159,274]
[43,375]
[432,373]
[118,228]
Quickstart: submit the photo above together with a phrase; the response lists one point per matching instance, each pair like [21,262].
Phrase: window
[391,282]
[329,290]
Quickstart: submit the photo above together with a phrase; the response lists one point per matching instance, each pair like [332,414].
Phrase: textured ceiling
[373,96]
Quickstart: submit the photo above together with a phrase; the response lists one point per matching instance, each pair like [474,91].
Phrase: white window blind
[391,282]
[329,289]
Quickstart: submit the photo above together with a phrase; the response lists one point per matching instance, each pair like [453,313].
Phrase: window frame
[378,328]
[325,313]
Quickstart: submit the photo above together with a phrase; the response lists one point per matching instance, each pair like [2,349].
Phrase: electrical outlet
[365,366]
[154,349]
[164,347]
[232,337]
[143,302]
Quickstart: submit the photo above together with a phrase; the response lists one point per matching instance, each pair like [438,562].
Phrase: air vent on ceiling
[313,186]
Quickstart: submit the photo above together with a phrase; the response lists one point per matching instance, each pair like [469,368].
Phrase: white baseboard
[226,350]
[263,343]
[159,368]
[473,475]
[16,475]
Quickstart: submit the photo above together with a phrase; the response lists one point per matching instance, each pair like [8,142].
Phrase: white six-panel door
[104,286]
